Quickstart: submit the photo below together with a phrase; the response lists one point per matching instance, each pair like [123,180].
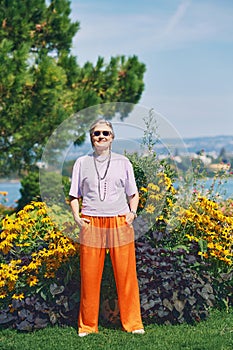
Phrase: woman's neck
[102,152]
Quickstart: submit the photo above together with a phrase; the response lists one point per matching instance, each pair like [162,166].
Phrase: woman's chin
[102,146]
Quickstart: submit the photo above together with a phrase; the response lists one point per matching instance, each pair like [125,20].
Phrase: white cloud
[177,17]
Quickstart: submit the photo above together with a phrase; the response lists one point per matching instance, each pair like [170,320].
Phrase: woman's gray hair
[101,121]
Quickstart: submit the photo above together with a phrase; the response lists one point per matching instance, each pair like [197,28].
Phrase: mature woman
[105,182]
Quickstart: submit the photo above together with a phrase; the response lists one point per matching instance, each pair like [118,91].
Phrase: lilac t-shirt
[117,185]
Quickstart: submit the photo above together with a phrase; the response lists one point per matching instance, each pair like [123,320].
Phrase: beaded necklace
[101,178]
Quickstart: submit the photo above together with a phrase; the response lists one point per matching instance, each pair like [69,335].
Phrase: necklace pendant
[102,178]
[99,190]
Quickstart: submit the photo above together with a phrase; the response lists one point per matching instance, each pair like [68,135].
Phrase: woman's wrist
[134,213]
[76,217]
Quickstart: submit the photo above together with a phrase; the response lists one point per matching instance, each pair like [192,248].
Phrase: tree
[223,155]
[41,82]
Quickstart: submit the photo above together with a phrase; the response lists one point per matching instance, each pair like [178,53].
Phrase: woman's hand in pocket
[129,218]
[81,222]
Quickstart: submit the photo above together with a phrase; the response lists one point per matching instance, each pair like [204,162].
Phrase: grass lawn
[214,334]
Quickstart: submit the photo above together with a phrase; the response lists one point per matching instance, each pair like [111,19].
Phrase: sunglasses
[104,133]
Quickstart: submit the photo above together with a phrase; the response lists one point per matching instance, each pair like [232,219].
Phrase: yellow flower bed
[206,223]
[36,247]
[155,197]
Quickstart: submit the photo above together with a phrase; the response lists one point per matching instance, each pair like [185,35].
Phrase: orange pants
[124,266]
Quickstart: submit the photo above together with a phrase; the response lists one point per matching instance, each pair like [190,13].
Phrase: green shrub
[30,189]
[49,187]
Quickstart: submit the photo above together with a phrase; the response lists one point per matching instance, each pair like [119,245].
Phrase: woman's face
[102,137]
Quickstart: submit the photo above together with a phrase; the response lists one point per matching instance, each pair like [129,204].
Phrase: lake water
[224,188]
[13,190]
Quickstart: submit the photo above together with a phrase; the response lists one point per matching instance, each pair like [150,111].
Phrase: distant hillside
[210,144]
[193,145]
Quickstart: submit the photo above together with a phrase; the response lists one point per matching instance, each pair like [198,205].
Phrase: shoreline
[5,180]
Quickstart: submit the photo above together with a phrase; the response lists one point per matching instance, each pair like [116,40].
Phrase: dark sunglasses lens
[106,133]
[96,133]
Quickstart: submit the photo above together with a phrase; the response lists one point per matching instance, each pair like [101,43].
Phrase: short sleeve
[130,183]
[75,187]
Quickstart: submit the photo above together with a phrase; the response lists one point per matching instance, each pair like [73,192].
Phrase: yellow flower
[32,281]
[2,283]
[150,208]
[22,214]
[2,280]
[5,247]
[41,212]
[3,295]
[9,223]
[173,190]
[27,244]
[169,202]
[227,252]
[28,207]
[38,204]
[153,187]
[192,238]
[15,262]
[218,246]
[228,261]
[33,265]
[143,189]
[154,196]
[4,193]
[18,296]
[211,245]
[46,219]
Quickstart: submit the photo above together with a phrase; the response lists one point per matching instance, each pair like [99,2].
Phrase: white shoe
[83,334]
[138,331]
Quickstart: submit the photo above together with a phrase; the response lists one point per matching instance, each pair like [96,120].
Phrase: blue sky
[187,46]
